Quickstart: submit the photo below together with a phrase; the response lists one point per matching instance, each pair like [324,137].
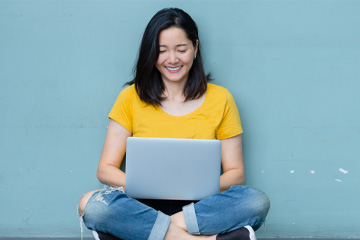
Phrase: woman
[170,97]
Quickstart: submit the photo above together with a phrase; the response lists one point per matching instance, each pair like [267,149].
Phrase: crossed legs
[238,207]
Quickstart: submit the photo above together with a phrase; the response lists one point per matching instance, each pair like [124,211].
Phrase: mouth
[174,70]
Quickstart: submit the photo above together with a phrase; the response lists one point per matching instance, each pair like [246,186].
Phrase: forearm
[111,175]
[230,178]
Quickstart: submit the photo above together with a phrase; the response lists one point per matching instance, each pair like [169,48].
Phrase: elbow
[240,177]
[241,180]
[99,175]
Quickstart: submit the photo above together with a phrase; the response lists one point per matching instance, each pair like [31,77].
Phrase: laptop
[172,168]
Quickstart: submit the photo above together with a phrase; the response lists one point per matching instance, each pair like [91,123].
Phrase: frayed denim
[111,211]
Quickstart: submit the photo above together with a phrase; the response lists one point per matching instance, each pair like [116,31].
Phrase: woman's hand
[108,171]
[232,163]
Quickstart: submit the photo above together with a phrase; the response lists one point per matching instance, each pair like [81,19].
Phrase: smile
[176,69]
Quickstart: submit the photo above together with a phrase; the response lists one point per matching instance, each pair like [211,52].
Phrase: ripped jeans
[111,211]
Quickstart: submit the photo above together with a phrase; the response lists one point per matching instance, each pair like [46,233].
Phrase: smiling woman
[176,56]
[170,41]
[170,97]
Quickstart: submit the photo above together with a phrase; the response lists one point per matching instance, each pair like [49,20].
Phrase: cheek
[158,64]
[188,60]
[161,59]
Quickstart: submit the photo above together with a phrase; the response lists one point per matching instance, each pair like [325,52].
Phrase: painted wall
[292,66]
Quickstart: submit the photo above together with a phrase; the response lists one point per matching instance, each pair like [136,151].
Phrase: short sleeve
[122,111]
[230,125]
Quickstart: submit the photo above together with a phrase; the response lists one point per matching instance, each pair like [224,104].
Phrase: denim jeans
[111,211]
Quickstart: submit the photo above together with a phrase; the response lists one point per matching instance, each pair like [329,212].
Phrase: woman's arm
[108,171]
[232,163]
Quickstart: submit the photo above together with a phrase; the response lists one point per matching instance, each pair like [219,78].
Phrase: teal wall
[292,66]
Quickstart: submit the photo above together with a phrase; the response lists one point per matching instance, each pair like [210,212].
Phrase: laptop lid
[172,168]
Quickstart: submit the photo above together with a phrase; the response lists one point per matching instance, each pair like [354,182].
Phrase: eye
[162,51]
[182,51]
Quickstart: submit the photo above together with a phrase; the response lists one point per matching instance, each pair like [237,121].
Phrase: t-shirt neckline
[190,113]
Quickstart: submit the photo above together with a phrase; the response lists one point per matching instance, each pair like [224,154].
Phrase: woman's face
[176,55]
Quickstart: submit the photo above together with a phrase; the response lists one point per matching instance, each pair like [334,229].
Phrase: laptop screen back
[172,168]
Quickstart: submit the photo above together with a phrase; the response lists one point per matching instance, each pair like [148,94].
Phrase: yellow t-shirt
[216,118]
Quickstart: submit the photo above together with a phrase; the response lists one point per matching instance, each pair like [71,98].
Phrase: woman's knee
[256,200]
[83,201]
[260,202]
[260,208]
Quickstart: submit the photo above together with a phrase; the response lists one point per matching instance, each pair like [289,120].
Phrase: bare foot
[179,220]
[175,232]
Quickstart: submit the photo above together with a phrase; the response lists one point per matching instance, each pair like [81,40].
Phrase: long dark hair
[147,80]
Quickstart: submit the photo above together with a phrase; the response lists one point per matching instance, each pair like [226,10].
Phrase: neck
[174,91]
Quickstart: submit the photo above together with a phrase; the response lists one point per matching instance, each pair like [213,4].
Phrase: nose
[172,57]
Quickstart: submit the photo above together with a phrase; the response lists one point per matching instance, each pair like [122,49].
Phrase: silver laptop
[172,168]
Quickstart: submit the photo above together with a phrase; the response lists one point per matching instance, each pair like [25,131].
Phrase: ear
[196,47]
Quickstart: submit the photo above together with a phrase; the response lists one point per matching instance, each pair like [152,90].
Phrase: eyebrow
[179,45]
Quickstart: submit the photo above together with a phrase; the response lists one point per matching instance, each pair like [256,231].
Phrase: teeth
[173,69]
